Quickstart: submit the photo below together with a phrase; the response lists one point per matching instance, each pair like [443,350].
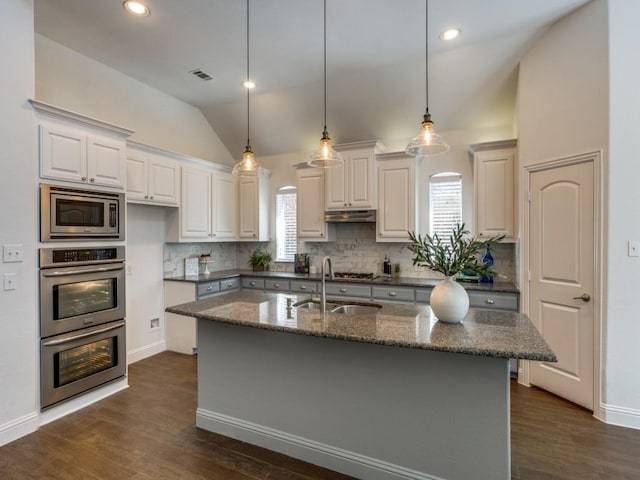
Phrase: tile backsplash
[354,250]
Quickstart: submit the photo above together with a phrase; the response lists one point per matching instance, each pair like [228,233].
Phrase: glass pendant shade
[248,165]
[427,143]
[325,156]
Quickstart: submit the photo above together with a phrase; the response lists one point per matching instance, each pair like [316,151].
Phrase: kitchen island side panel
[371,411]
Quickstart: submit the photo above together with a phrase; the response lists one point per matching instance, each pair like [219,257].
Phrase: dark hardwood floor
[148,432]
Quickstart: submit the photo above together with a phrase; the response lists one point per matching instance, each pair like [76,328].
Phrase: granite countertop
[492,333]
[507,287]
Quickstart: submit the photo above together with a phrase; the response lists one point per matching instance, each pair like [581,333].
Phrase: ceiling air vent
[201,75]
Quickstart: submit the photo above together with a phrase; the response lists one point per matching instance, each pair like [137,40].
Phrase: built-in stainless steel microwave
[69,214]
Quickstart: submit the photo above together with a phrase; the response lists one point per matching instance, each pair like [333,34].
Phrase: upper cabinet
[253,207]
[80,149]
[224,223]
[353,185]
[397,212]
[153,177]
[494,188]
[310,206]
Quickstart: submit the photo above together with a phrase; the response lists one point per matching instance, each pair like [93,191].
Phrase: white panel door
[335,187]
[360,187]
[561,259]
[248,205]
[225,206]
[396,205]
[310,207]
[106,161]
[195,208]
[63,153]
[163,181]
[136,178]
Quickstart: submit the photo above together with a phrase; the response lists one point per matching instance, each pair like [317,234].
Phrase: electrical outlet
[154,323]
[12,253]
[633,248]
[9,280]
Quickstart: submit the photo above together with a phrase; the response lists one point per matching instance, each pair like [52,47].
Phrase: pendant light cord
[325,66]
[426,59]
[248,78]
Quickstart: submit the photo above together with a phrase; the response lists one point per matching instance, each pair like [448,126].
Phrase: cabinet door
[310,207]
[136,177]
[494,180]
[360,186]
[195,208]
[397,200]
[163,183]
[63,153]
[225,209]
[335,187]
[248,207]
[106,161]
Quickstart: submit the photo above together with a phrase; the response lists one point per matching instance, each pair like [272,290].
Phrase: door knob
[585,297]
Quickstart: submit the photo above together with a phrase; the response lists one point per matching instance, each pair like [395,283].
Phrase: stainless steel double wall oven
[82,320]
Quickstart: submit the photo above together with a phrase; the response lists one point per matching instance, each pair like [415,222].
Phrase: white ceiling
[375,61]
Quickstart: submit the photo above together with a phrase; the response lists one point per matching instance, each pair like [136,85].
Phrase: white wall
[578,93]
[18,317]
[145,299]
[622,381]
[69,80]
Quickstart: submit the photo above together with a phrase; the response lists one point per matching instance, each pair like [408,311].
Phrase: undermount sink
[335,307]
[357,309]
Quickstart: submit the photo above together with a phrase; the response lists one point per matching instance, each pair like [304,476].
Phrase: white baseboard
[84,400]
[18,428]
[621,416]
[337,459]
[141,353]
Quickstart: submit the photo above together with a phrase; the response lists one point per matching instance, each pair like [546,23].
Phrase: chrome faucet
[323,290]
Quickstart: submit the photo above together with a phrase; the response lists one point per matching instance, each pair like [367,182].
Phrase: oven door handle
[61,273]
[52,343]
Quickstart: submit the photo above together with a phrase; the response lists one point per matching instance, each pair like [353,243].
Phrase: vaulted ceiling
[375,61]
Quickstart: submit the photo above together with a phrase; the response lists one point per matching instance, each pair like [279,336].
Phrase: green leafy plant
[260,258]
[457,254]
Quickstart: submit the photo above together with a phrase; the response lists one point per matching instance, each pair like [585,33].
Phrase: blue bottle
[487,260]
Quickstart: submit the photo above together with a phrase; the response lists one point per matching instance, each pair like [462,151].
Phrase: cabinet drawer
[257,283]
[499,300]
[276,284]
[393,293]
[230,284]
[347,290]
[304,286]
[208,288]
[423,295]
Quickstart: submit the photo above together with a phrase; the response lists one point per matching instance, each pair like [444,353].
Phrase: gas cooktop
[354,276]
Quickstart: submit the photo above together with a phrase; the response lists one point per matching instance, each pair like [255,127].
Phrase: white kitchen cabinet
[152,179]
[397,206]
[253,207]
[208,211]
[352,186]
[495,189]
[310,206]
[80,149]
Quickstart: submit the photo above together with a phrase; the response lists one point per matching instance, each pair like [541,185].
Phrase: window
[286,227]
[445,203]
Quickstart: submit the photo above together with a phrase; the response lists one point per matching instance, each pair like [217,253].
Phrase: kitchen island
[385,395]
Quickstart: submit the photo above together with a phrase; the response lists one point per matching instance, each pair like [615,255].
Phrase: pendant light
[427,143]
[248,165]
[325,156]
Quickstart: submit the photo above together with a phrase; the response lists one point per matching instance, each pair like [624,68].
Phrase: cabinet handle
[84,179]
[253,284]
[392,293]
[489,301]
[276,285]
[254,234]
[343,290]
[209,288]
[146,196]
[92,179]
[303,287]
[151,197]
[349,204]
[213,234]
[322,234]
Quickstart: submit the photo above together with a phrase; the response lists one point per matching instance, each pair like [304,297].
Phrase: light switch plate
[634,248]
[12,253]
[9,280]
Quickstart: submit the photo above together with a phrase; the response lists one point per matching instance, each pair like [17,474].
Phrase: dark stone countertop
[492,333]
[507,287]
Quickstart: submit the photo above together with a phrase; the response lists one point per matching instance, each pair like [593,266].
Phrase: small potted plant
[260,260]
[459,253]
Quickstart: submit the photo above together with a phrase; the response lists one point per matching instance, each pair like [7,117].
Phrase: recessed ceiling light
[249,84]
[450,34]
[136,8]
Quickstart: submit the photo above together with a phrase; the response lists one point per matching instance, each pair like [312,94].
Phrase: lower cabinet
[181,331]
[305,286]
[390,293]
[348,290]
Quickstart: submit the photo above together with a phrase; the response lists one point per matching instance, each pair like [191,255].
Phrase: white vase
[449,301]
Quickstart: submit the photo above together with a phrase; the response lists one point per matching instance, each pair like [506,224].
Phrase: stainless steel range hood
[350,216]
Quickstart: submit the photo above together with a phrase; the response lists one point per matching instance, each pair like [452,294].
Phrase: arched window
[286,226]
[445,203]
